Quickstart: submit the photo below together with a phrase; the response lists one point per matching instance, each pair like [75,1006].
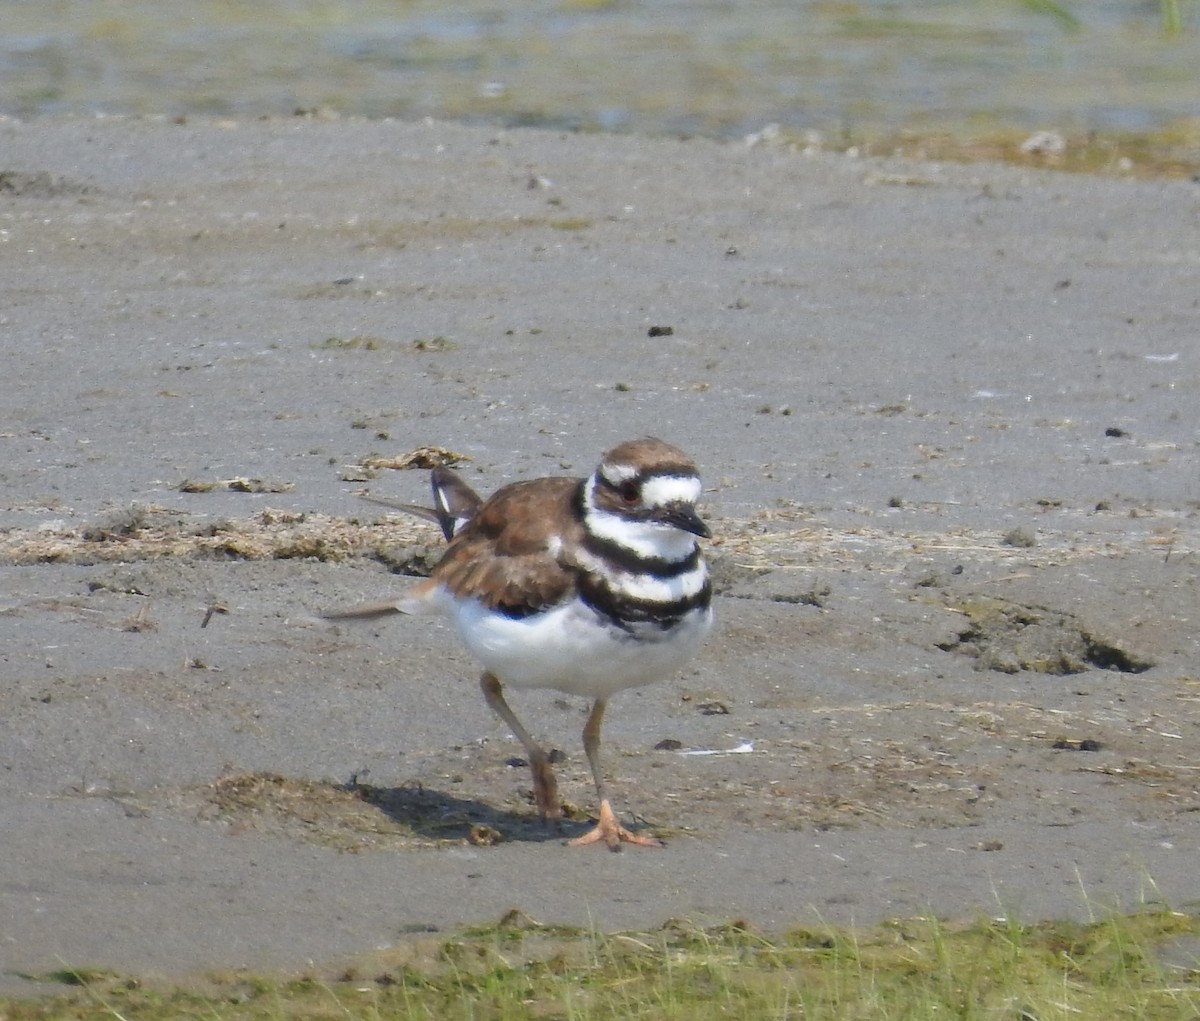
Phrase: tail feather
[365,611]
[456,502]
[455,505]
[415,600]
[428,513]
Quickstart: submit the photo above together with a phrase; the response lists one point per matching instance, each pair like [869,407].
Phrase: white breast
[571,649]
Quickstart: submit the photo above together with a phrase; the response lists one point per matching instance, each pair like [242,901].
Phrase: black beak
[686,519]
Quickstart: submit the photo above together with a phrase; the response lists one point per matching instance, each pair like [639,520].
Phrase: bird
[586,585]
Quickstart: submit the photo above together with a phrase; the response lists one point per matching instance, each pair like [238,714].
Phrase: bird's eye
[630,492]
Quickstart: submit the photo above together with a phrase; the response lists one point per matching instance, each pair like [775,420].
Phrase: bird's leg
[545,789]
[607,828]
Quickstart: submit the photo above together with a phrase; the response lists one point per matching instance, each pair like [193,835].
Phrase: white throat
[644,538]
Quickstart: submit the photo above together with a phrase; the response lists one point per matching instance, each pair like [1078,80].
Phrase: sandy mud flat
[948,418]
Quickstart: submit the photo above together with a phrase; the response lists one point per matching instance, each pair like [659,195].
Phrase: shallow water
[714,67]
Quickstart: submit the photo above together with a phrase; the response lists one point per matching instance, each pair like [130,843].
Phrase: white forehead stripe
[615,474]
[664,490]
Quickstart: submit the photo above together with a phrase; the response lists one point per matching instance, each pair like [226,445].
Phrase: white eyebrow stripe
[663,490]
[615,474]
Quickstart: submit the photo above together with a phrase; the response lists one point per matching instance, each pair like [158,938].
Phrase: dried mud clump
[153,533]
[344,816]
[1011,637]
[40,185]
[354,816]
[420,458]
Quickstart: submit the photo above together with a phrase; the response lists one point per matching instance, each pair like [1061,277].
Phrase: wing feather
[507,554]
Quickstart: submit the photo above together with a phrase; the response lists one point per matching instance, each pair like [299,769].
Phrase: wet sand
[947,417]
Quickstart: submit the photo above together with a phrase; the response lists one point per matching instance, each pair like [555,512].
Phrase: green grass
[918,969]
[1169,152]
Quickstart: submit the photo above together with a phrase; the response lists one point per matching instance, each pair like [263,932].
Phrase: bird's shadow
[435,815]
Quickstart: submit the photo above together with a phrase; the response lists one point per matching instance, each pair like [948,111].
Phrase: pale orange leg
[545,788]
[607,827]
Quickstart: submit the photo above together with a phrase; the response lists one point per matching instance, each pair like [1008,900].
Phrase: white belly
[573,650]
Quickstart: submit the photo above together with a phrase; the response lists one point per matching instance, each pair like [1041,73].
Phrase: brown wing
[502,556]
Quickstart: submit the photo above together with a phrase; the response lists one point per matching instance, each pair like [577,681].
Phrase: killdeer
[587,586]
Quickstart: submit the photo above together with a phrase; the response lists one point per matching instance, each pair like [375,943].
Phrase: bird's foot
[613,833]
[545,790]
